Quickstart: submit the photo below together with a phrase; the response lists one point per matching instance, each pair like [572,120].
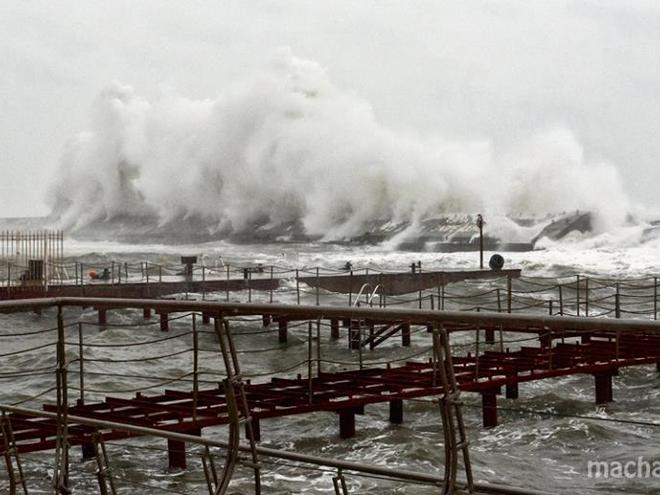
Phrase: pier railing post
[350,288]
[310,385]
[61,473]
[81,365]
[577,294]
[271,285]
[655,298]
[318,287]
[509,294]
[249,282]
[617,302]
[195,366]
[297,286]
[318,347]
[227,286]
[586,296]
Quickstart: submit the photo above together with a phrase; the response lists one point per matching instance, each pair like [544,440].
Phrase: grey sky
[498,70]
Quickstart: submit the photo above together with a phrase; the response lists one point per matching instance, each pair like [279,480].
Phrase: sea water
[529,450]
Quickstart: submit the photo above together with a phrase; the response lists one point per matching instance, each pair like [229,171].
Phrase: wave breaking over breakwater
[289,152]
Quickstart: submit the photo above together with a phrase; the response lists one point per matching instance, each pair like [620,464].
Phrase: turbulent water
[537,451]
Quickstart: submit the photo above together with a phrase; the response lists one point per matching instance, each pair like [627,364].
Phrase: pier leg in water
[206,318]
[489,407]
[176,451]
[164,322]
[256,430]
[103,317]
[603,388]
[334,330]
[88,451]
[545,339]
[490,336]
[405,335]
[283,330]
[266,320]
[512,390]
[346,423]
[146,313]
[396,411]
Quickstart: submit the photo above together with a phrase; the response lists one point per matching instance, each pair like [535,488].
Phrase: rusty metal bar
[453,320]
[274,453]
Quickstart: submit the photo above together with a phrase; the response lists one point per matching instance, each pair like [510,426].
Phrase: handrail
[369,297]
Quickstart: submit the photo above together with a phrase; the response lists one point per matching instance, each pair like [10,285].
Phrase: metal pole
[309,363]
[203,282]
[577,293]
[318,347]
[249,281]
[81,359]
[318,283]
[655,298]
[350,289]
[360,342]
[195,365]
[227,286]
[271,284]
[617,302]
[297,287]
[480,224]
[586,297]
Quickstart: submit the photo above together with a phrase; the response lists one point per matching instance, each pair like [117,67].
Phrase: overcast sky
[470,70]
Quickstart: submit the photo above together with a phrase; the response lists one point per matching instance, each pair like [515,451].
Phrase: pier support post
[176,454]
[334,329]
[164,322]
[283,330]
[206,318]
[512,390]
[490,336]
[256,430]
[176,451]
[405,335]
[88,451]
[603,388]
[346,423]
[489,408]
[657,366]
[545,339]
[266,320]
[146,313]
[103,316]
[396,411]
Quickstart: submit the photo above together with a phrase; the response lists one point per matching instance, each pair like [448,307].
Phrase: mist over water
[288,146]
